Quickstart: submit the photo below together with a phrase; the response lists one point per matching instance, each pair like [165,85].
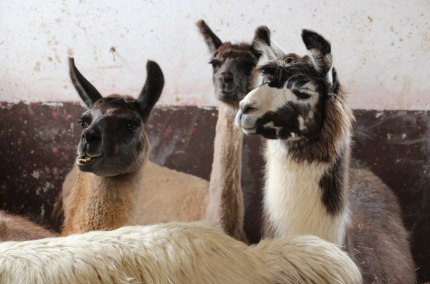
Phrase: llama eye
[301,95]
[132,125]
[215,64]
[248,67]
[83,122]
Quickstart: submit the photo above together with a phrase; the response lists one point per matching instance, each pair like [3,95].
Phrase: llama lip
[228,91]
[248,131]
[85,159]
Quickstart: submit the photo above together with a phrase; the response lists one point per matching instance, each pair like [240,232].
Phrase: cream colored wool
[173,253]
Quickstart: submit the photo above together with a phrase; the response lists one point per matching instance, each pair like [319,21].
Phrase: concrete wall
[381,48]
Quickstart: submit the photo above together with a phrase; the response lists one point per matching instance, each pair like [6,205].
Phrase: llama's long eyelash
[83,121]
[302,94]
[215,63]
[132,124]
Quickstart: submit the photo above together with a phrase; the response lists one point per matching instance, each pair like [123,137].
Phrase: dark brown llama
[302,111]
[113,183]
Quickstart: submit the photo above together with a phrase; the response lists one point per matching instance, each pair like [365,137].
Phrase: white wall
[381,48]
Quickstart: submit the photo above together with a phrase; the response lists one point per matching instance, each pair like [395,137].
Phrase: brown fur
[98,203]
[232,69]
[17,228]
[167,195]
[376,240]
[226,207]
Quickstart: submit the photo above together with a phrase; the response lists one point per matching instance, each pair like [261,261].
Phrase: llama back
[307,259]
[376,222]
[181,197]
[16,228]
[173,253]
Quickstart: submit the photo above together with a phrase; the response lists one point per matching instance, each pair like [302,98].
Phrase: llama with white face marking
[113,182]
[233,66]
[302,111]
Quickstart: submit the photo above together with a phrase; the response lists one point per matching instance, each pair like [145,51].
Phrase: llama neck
[225,207]
[110,202]
[306,197]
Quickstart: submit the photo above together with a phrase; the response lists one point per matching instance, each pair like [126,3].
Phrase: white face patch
[258,102]
[302,126]
[329,76]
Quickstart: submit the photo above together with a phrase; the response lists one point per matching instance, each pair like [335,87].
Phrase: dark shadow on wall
[38,143]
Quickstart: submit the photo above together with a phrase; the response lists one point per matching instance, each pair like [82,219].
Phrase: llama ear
[262,34]
[320,50]
[151,90]
[211,39]
[263,45]
[86,91]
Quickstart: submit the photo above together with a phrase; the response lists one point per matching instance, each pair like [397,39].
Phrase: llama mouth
[85,159]
[246,123]
[250,130]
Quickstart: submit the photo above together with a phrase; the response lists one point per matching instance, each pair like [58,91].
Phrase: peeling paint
[35,174]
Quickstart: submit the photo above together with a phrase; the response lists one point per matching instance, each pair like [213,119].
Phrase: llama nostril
[91,135]
[226,77]
[248,109]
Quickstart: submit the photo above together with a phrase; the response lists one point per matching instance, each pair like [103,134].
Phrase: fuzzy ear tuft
[151,90]
[86,91]
[261,44]
[262,34]
[320,50]
[210,37]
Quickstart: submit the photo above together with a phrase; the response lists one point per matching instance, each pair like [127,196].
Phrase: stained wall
[381,50]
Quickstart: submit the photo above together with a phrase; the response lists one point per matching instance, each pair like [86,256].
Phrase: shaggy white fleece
[173,253]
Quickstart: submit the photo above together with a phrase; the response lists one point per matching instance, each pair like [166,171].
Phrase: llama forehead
[235,51]
[117,105]
[272,98]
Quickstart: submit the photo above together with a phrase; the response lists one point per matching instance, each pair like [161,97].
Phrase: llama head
[233,64]
[292,102]
[113,141]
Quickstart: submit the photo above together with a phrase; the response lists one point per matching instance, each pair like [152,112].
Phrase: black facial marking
[332,184]
[279,76]
[285,121]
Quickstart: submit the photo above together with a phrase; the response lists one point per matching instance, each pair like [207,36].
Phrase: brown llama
[17,228]
[113,183]
[302,111]
[233,66]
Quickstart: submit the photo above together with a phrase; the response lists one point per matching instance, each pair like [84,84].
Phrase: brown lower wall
[37,148]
